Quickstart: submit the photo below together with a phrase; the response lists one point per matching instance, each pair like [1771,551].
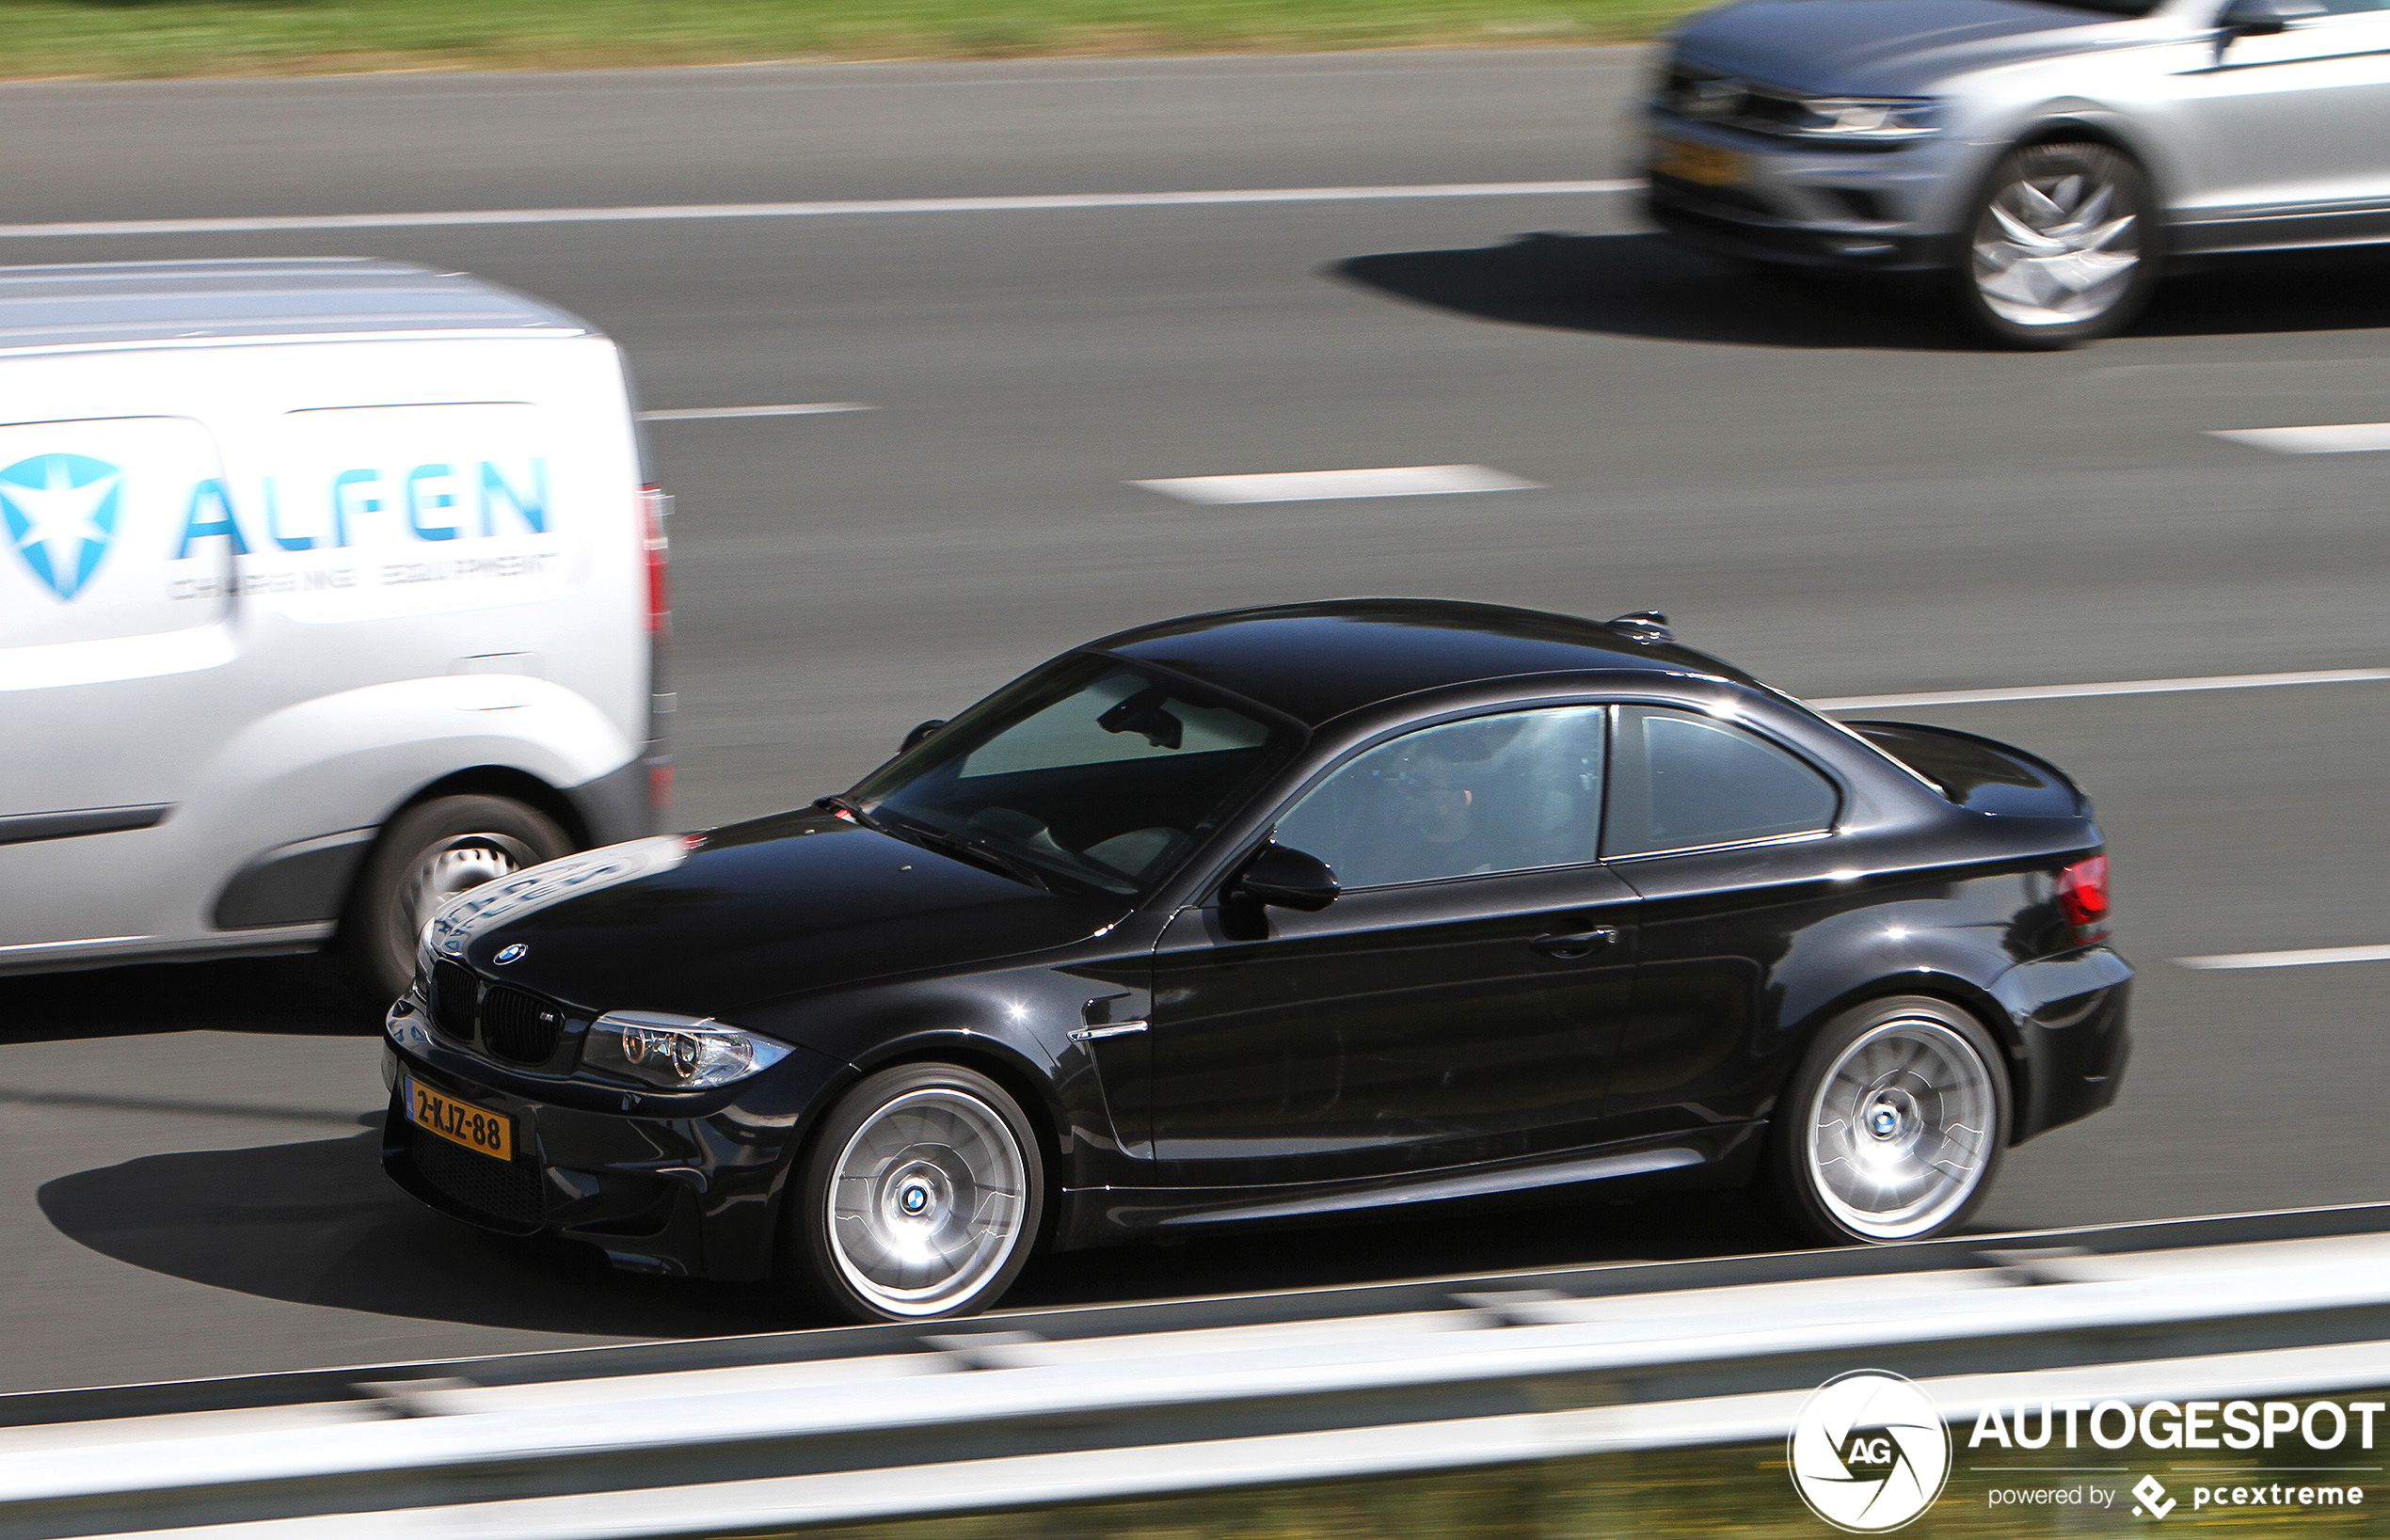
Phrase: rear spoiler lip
[2082,801]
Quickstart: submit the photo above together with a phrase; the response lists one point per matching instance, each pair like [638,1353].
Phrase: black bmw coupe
[1268,916]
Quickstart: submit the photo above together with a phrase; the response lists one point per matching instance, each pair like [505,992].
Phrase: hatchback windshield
[1086,770]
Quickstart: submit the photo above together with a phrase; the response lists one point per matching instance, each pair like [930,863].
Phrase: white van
[331,587]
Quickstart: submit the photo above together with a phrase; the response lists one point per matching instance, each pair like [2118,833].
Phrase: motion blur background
[1828,484]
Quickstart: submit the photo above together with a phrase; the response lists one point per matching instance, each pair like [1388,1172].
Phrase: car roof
[147,303]
[1318,661]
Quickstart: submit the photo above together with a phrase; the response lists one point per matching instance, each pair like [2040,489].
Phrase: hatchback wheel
[427,855]
[1892,1127]
[921,1197]
[2063,246]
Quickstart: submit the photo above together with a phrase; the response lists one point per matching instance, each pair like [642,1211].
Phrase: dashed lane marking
[1318,486]
[2324,438]
[800,408]
[2114,687]
[1006,205]
[2302,958]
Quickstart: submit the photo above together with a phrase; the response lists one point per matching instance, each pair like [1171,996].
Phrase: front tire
[427,855]
[2063,245]
[921,1197]
[1892,1128]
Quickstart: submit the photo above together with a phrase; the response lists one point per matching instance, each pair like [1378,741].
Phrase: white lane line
[2116,687]
[801,409]
[1316,485]
[2289,959]
[797,211]
[2326,439]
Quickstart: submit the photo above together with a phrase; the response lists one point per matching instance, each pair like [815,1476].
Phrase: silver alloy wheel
[2051,250]
[1901,1129]
[926,1201]
[454,866]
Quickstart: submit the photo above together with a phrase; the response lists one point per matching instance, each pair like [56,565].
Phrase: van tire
[426,855]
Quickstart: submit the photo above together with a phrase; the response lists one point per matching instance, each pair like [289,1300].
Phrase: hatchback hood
[1887,47]
[705,923]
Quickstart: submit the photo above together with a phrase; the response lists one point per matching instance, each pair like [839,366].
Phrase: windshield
[1087,770]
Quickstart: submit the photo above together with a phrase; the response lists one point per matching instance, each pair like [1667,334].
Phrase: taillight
[2082,897]
[653,503]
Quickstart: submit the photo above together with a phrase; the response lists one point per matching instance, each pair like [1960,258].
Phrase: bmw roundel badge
[513,953]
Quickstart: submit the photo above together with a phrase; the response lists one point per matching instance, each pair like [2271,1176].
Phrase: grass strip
[156,38]
[1741,1491]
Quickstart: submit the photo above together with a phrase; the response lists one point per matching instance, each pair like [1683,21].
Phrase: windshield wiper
[963,847]
[840,802]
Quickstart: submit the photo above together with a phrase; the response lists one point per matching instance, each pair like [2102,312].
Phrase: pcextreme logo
[1869,1451]
[61,511]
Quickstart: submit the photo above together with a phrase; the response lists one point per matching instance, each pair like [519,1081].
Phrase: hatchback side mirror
[1287,878]
[2264,18]
[921,735]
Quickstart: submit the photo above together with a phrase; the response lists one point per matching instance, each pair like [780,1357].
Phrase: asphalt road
[1826,485]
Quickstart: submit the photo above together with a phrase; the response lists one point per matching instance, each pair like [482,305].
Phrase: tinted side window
[1683,780]
[1490,794]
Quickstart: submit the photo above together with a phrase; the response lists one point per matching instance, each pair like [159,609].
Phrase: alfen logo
[61,511]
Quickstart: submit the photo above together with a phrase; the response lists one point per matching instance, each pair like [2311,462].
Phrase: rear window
[1681,781]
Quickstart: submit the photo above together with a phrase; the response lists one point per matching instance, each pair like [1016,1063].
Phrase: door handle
[1576,943]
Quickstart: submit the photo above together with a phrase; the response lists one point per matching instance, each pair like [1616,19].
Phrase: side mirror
[2264,18]
[921,735]
[1287,878]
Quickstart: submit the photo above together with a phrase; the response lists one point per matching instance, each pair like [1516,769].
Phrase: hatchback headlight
[1864,119]
[675,1053]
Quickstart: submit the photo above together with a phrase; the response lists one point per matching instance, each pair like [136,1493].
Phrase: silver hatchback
[2050,156]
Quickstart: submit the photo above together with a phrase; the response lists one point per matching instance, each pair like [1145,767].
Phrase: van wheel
[921,1197]
[1892,1128]
[2063,245]
[427,855]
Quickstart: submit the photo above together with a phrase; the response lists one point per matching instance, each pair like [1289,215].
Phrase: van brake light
[654,504]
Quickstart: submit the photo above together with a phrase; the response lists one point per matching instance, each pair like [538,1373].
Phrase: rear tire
[921,1197]
[426,856]
[2063,245]
[1892,1128]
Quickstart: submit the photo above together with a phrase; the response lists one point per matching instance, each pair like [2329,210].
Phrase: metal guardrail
[1034,1408]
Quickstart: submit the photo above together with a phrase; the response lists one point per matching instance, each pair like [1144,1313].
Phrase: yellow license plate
[1703,162]
[478,1129]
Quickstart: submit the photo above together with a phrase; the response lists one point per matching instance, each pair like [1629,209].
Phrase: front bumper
[1878,211]
[690,1195]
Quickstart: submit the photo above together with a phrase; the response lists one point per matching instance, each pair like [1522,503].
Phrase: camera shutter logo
[1869,1451]
[60,511]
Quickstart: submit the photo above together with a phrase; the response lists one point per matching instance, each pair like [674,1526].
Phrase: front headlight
[675,1053]
[1863,120]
